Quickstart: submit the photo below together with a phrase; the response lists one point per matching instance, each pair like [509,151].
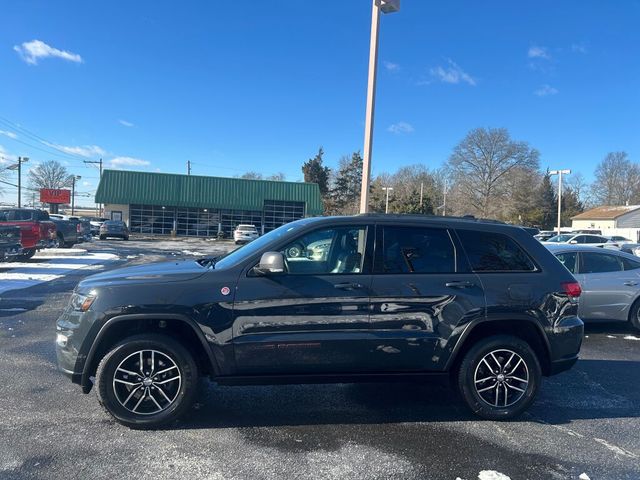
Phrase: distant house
[611,220]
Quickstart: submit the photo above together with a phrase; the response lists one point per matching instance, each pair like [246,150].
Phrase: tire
[634,315]
[103,237]
[520,393]
[126,239]
[26,255]
[142,407]
[59,241]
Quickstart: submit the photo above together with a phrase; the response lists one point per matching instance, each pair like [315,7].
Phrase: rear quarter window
[494,252]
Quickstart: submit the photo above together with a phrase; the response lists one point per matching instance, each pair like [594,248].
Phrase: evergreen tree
[315,172]
[547,203]
[345,194]
[571,206]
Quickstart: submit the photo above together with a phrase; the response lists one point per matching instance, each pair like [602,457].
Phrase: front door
[312,318]
[419,295]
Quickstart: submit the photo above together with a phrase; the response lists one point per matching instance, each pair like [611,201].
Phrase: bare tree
[481,162]
[617,180]
[280,176]
[50,174]
[252,176]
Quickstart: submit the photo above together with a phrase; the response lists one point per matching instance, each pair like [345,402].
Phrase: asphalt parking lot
[584,424]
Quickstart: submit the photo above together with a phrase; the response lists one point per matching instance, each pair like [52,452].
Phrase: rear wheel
[634,315]
[103,237]
[26,254]
[499,377]
[146,381]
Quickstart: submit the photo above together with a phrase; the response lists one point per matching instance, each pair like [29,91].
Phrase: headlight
[636,251]
[82,303]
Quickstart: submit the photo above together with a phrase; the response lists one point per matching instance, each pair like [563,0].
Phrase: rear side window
[417,250]
[600,263]
[494,252]
[568,260]
[596,240]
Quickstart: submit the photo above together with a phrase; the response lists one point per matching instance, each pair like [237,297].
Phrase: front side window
[630,264]
[600,263]
[326,251]
[568,260]
[417,250]
[494,252]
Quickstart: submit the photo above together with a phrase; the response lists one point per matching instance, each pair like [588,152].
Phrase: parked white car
[579,239]
[245,234]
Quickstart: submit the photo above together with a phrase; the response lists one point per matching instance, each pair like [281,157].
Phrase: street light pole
[73,193]
[384,6]
[386,203]
[21,160]
[559,173]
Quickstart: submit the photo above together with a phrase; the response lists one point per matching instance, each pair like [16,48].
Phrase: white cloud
[390,66]
[35,50]
[87,151]
[120,162]
[86,184]
[538,52]
[545,90]
[400,128]
[579,48]
[6,157]
[451,74]
[8,134]
[125,123]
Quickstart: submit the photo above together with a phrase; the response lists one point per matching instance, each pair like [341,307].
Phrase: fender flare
[471,326]
[85,381]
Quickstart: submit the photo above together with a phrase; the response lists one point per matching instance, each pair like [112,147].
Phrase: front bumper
[9,252]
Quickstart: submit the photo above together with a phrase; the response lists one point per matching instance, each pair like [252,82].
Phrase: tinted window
[630,264]
[581,239]
[568,260]
[600,263]
[494,252]
[417,250]
[330,250]
[595,240]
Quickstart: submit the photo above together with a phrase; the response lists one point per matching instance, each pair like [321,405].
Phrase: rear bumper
[565,341]
[562,365]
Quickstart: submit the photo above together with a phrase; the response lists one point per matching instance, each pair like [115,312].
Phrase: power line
[17,128]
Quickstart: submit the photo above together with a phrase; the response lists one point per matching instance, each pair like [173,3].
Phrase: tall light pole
[386,203]
[384,6]
[21,160]
[559,173]
[73,192]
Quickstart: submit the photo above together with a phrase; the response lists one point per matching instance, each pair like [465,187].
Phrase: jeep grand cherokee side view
[363,298]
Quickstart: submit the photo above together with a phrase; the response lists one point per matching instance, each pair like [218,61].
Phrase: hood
[163,272]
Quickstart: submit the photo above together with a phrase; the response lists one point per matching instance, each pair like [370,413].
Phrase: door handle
[347,286]
[459,284]
[631,283]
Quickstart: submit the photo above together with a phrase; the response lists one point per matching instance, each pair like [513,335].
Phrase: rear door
[608,288]
[420,292]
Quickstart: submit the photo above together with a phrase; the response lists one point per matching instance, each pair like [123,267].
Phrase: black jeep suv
[329,299]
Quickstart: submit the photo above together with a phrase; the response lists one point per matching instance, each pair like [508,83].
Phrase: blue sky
[260,85]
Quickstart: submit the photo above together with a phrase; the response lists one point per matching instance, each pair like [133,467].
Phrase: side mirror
[573,242]
[271,263]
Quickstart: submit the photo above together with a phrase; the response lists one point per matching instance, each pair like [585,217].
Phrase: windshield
[252,248]
[561,238]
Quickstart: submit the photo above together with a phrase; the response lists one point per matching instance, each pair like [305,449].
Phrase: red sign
[53,195]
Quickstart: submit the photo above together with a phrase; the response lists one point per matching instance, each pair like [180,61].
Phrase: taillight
[572,289]
[78,228]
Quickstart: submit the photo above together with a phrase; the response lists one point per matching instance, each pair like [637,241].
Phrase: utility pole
[99,162]
[188,167]
[21,160]
[384,6]
[559,173]
[386,203]
[421,191]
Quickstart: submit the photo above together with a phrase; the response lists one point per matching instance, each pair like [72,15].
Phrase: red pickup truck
[37,230]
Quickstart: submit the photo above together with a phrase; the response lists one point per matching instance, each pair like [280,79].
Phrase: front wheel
[634,315]
[26,254]
[146,381]
[499,377]
[103,237]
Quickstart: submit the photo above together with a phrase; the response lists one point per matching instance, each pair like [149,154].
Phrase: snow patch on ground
[584,476]
[492,475]
[191,252]
[18,275]
[631,337]
[611,336]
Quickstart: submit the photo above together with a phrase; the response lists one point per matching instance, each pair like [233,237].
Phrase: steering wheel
[294,251]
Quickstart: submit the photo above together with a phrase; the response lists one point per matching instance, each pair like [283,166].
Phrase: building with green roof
[193,205]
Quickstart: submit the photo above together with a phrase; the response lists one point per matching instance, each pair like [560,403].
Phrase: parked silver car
[610,282]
